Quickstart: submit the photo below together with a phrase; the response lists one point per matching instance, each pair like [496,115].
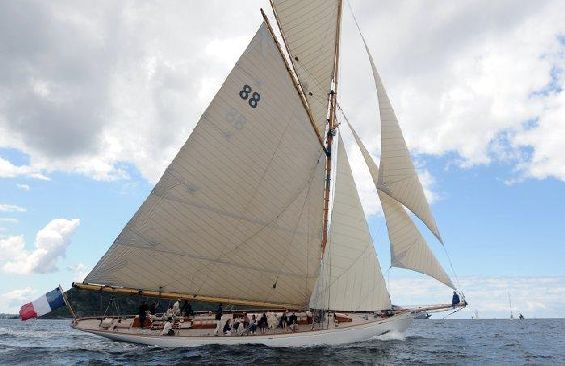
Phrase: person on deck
[176,307]
[263,324]
[153,308]
[283,321]
[168,328]
[227,327]
[219,313]
[253,324]
[293,322]
[143,314]
[455,299]
[170,312]
[246,321]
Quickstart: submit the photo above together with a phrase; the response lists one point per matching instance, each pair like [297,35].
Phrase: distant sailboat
[510,304]
[256,211]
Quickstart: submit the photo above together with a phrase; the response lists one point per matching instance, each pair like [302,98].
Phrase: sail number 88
[245,93]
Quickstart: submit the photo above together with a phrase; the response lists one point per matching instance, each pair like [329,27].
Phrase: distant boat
[521,317]
[476,316]
[510,304]
[423,316]
[255,211]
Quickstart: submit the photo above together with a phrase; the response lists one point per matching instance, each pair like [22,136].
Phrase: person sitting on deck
[143,314]
[293,321]
[263,324]
[153,308]
[227,327]
[246,321]
[169,313]
[272,320]
[168,328]
[455,299]
[252,324]
[176,307]
[219,313]
[236,327]
[283,321]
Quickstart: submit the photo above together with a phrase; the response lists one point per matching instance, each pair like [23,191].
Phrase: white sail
[309,29]
[397,176]
[408,249]
[237,214]
[350,277]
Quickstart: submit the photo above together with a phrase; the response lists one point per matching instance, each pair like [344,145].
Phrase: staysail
[237,214]
[408,249]
[397,175]
[350,276]
[309,31]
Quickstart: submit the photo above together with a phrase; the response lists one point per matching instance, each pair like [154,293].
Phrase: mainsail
[309,31]
[350,277]
[408,249]
[237,214]
[397,176]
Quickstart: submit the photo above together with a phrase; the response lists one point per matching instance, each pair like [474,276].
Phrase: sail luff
[295,81]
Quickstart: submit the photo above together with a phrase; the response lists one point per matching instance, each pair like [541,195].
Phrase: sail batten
[350,276]
[239,208]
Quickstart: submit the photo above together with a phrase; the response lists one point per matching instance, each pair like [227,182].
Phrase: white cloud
[4,207]
[11,301]
[23,187]
[9,170]
[51,243]
[9,220]
[540,297]
[135,84]
[80,270]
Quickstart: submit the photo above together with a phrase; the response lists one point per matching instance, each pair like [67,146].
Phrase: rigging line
[452,268]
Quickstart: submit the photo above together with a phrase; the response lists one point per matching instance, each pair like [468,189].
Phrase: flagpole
[67,303]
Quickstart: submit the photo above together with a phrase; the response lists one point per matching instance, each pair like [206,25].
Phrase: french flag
[45,304]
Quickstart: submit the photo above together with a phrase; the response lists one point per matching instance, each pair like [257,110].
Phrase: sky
[96,98]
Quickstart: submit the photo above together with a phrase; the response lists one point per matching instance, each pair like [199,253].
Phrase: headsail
[237,214]
[350,277]
[309,30]
[397,176]
[408,249]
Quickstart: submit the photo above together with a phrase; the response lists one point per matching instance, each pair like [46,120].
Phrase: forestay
[237,214]
[408,249]
[397,176]
[350,277]
[309,31]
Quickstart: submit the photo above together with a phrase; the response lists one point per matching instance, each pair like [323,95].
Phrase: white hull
[395,325]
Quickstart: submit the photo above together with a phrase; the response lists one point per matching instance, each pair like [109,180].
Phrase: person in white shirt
[176,307]
[168,328]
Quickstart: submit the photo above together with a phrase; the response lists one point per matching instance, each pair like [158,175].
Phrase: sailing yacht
[259,208]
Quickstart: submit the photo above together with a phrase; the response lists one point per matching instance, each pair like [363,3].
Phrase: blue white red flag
[45,304]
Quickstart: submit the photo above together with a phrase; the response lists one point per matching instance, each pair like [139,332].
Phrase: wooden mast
[331,130]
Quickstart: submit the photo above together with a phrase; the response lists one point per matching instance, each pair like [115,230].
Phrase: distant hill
[91,303]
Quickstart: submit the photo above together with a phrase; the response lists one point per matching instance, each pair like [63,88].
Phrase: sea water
[443,342]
